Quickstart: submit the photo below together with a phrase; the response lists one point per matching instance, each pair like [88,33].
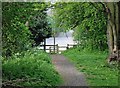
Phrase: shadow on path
[70,75]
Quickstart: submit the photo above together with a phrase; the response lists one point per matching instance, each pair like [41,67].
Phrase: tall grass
[34,69]
[93,64]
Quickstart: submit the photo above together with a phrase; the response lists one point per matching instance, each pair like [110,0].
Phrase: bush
[33,69]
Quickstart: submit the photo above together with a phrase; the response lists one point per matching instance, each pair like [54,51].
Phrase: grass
[93,64]
[34,69]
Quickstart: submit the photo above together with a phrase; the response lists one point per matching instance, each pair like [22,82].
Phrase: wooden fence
[57,49]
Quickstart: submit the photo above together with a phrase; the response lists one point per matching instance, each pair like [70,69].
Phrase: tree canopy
[16,34]
[89,23]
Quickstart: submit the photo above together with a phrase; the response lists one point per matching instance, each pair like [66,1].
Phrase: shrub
[33,69]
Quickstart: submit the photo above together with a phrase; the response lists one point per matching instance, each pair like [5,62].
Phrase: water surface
[62,39]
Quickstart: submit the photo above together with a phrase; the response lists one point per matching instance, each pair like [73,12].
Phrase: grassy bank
[33,69]
[93,64]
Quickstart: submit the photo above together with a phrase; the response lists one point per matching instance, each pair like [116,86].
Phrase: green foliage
[39,27]
[87,21]
[15,39]
[34,69]
[93,64]
[15,32]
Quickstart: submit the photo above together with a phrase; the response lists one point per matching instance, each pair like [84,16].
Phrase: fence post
[44,44]
[67,46]
[57,48]
[50,49]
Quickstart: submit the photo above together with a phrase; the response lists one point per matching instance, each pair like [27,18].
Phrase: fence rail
[56,48]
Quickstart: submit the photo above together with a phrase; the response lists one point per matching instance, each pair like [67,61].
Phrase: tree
[15,33]
[91,21]
[113,28]
[39,27]
[88,22]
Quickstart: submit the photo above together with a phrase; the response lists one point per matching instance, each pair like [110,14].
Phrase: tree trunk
[110,37]
[113,29]
[118,26]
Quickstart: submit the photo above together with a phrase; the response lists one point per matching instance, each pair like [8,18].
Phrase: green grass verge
[93,64]
[34,69]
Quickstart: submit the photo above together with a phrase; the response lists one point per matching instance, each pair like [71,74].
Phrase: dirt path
[66,69]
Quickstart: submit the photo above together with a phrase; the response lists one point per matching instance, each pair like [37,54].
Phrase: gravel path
[67,70]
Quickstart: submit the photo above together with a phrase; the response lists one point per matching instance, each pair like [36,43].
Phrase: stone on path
[70,75]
